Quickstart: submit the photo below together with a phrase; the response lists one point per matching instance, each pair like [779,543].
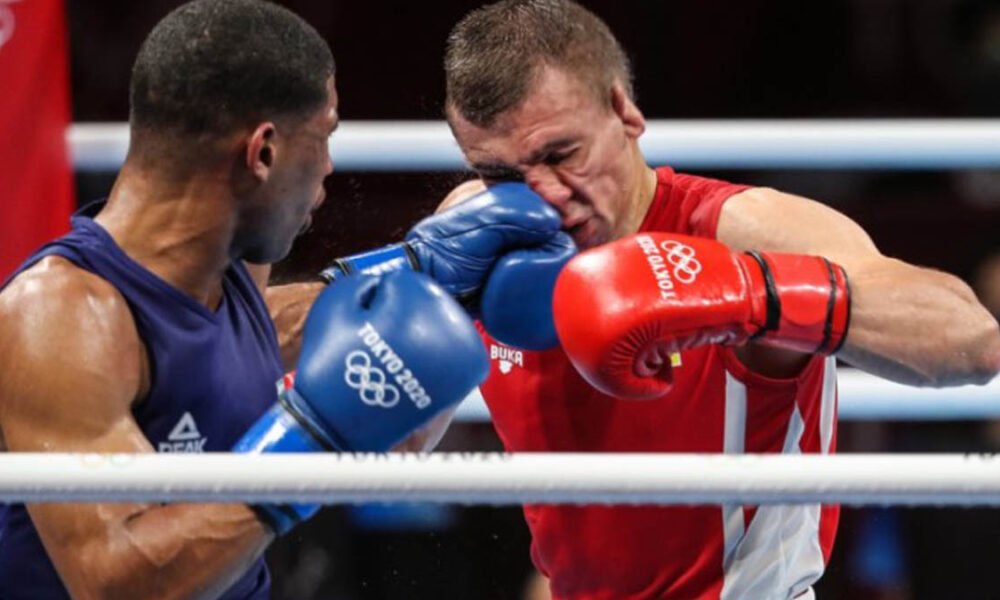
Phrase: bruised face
[294,162]
[578,152]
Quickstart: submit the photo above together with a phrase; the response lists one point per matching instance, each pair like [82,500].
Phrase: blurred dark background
[699,60]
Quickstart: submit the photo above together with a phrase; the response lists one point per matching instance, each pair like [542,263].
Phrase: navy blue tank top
[212,374]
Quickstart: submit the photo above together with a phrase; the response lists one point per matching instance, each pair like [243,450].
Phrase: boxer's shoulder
[55,284]
[57,317]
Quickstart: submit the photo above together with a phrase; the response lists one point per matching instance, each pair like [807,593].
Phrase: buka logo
[508,357]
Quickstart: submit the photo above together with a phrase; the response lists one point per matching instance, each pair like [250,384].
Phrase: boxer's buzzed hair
[494,54]
[212,66]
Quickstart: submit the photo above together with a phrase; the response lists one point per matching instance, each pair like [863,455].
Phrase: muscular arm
[909,324]
[288,305]
[73,366]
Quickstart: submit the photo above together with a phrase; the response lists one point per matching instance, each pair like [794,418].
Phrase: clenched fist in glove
[498,252]
[621,309]
[381,356]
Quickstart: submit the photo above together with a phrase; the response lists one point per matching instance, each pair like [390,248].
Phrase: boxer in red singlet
[540,91]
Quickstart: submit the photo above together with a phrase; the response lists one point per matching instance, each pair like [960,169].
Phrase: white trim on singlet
[778,555]
[734,442]
[827,416]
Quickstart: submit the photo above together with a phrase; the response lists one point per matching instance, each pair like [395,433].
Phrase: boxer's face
[574,150]
[301,162]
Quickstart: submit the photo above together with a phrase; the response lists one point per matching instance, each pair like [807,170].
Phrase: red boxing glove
[621,309]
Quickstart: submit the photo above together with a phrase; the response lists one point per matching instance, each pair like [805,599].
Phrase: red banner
[36,184]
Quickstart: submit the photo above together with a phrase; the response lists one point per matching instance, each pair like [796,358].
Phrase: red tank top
[539,404]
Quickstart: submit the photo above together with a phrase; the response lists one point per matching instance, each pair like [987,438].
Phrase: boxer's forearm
[289,305]
[919,326]
[171,551]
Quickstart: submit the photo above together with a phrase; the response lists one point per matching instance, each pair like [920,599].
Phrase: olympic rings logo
[682,257]
[369,381]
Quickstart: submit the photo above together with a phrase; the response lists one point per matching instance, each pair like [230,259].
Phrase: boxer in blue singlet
[145,329]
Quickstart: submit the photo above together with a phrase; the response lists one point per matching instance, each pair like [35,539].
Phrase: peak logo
[508,357]
[184,437]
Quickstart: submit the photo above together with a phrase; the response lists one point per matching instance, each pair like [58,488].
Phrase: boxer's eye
[556,158]
[499,175]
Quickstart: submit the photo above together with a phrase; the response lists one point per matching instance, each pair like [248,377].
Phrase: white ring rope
[497,479]
[744,144]
[864,397]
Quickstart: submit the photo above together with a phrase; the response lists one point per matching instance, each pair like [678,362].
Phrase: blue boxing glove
[381,356]
[517,298]
[459,246]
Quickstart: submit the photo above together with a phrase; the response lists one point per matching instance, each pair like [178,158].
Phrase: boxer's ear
[627,111]
[260,151]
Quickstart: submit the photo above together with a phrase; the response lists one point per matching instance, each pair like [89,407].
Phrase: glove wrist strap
[283,428]
[808,303]
[373,262]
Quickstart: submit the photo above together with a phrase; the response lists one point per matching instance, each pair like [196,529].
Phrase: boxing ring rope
[725,144]
[500,479]
[864,397]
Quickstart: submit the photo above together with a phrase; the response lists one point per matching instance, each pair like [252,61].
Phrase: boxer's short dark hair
[212,66]
[494,54]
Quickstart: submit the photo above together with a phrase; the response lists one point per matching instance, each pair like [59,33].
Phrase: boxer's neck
[641,196]
[180,229]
